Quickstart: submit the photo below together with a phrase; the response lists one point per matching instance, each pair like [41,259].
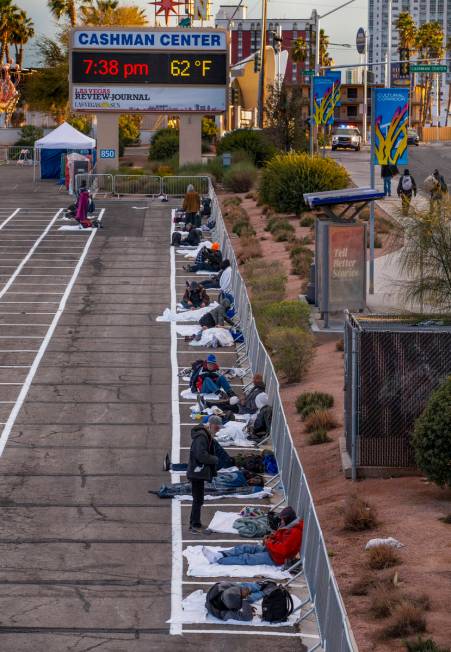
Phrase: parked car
[412,136]
[346,136]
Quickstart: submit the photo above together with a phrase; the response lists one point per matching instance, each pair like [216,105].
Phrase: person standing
[202,466]
[191,206]
[406,188]
[439,189]
[388,171]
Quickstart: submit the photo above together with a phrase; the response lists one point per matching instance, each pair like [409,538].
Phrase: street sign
[426,67]
[308,73]
[360,40]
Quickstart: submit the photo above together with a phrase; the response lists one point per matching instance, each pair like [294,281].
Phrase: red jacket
[285,543]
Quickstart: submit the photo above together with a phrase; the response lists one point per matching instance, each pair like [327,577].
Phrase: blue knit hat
[211,358]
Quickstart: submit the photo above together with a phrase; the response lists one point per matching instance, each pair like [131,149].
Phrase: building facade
[246,36]
[422,11]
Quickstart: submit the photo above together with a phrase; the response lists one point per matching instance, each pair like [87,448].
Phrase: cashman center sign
[151,70]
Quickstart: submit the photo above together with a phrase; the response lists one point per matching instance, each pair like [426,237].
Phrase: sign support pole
[107,138]
[373,185]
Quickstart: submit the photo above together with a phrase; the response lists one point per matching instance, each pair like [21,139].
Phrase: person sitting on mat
[246,403]
[207,379]
[216,317]
[233,600]
[277,548]
[214,282]
[192,238]
[207,260]
[259,425]
[195,296]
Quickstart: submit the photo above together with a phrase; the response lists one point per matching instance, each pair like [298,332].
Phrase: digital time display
[175,68]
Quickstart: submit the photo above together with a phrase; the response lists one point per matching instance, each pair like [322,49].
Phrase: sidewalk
[388,277]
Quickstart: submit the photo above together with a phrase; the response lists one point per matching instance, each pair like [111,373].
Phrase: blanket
[264,493]
[195,612]
[232,434]
[192,253]
[222,522]
[187,329]
[214,337]
[188,394]
[186,315]
[76,227]
[198,566]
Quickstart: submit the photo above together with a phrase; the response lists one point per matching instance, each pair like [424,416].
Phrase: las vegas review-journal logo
[107,95]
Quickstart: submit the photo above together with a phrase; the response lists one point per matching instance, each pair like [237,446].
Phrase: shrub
[129,131]
[383,556]
[319,436]
[432,436]
[301,260]
[266,281]
[164,144]
[232,201]
[243,227]
[384,598]
[307,220]
[292,351]
[320,419]
[445,519]
[421,645]
[362,586]
[313,400]
[240,177]
[29,135]
[407,619]
[358,515]
[253,143]
[284,314]
[250,248]
[287,177]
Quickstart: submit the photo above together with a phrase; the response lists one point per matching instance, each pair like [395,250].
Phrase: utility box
[392,365]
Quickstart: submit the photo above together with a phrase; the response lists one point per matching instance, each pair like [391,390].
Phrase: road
[90,560]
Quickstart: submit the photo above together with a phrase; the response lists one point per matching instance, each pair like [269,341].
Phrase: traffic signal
[257,62]
[276,41]
[234,96]
[404,67]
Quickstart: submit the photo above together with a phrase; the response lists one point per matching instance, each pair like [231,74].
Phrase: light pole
[261,81]
[318,19]
[389,48]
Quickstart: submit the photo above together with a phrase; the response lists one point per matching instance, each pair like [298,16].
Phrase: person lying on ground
[260,424]
[216,318]
[246,403]
[191,206]
[277,548]
[214,282]
[233,600]
[206,378]
[195,296]
[207,260]
[190,236]
[230,482]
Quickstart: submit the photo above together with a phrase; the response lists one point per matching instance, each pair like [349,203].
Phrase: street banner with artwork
[336,76]
[391,115]
[326,94]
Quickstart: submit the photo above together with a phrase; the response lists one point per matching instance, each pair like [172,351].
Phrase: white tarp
[65,137]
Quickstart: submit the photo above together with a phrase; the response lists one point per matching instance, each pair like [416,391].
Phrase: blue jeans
[210,387]
[256,592]
[387,186]
[252,554]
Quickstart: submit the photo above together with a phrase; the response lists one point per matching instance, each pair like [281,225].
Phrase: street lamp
[389,47]
[318,19]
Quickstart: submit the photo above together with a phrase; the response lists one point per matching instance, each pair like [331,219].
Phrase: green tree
[22,32]
[324,57]
[81,122]
[431,438]
[430,44]
[283,117]
[109,12]
[299,51]
[425,258]
[29,135]
[9,19]
[209,129]
[407,31]
[129,131]
[64,9]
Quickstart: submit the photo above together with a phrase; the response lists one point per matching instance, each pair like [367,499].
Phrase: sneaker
[210,555]
[166,463]
[195,530]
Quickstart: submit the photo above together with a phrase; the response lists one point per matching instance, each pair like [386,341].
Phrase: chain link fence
[392,365]
[325,598]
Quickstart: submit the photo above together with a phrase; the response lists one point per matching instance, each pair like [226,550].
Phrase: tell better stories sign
[149,70]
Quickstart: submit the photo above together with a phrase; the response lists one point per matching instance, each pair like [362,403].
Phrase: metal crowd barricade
[176,186]
[325,599]
[134,184]
[103,183]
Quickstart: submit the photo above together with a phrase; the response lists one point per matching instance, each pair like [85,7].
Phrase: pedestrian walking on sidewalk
[202,466]
[406,188]
[387,172]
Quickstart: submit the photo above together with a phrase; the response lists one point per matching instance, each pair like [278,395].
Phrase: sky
[341,26]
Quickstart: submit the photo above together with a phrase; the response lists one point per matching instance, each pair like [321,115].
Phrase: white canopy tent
[61,140]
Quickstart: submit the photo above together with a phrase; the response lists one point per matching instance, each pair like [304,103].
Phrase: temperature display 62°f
[175,68]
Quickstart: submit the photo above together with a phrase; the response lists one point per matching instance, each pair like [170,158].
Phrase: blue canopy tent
[59,142]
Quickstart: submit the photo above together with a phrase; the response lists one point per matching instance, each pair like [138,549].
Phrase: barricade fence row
[19,155]
[333,623]
[141,184]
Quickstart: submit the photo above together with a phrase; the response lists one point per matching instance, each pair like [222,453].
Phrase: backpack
[91,206]
[270,464]
[196,368]
[406,183]
[277,603]
[176,239]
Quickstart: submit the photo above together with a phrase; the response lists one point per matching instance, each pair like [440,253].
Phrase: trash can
[227,159]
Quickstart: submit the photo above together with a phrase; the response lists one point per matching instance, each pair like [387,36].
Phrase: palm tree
[9,18]
[324,57]
[407,30]
[22,33]
[430,45]
[299,50]
[64,9]
[109,12]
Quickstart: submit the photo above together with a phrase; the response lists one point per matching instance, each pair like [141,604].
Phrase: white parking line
[9,218]
[42,349]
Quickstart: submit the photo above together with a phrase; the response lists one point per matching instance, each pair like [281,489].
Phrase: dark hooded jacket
[217,316]
[202,463]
